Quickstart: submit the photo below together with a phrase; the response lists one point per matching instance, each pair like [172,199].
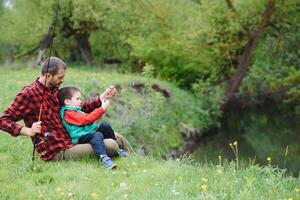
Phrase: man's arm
[15,112]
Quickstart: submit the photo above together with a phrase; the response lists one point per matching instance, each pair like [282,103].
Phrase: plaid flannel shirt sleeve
[15,112]
[91,104]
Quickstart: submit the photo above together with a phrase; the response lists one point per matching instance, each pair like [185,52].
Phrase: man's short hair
[54,63]
[66,93]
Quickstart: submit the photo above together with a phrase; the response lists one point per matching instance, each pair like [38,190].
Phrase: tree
[243,66]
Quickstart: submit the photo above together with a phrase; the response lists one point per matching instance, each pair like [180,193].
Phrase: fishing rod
[52,32]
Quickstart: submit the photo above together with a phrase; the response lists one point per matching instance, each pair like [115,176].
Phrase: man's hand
[35,128]
[108,93]
[117,135]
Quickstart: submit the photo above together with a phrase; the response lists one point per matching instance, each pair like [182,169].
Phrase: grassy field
[138,177]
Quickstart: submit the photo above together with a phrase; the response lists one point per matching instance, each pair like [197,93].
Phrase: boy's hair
[66,93]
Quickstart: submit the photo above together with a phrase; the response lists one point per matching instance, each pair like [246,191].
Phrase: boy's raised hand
[108,93]
[105,104]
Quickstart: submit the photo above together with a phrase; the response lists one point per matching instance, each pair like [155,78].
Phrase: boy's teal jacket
[74,131]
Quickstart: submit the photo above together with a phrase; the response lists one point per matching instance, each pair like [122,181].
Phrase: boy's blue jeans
[104,131]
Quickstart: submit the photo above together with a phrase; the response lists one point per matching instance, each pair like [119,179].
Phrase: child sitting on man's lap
[81,126]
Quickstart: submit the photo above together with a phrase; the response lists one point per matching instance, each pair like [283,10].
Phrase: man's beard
[54,85]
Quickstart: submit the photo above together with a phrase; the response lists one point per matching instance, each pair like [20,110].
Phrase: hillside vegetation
[148,118]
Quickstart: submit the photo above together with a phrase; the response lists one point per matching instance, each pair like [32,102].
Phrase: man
[51,140]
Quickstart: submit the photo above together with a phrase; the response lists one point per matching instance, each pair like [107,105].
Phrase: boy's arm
[82,119]
[96,102]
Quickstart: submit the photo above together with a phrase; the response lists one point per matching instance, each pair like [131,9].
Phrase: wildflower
[297,190]
[94,194]
[122,184]
[204,188]
[219,171]
[62,193]
[290,198]
[230,144]
[70,194]
[235,143]
[220,160]
[175,192]
[269,159]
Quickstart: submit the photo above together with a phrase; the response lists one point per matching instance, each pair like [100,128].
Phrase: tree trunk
[44,45]
[85,47]
[235,81]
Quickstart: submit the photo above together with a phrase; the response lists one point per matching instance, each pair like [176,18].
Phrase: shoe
[107,162]
[122,153]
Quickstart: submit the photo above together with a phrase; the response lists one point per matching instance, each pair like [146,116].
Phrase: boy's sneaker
[122,153]
[107,162]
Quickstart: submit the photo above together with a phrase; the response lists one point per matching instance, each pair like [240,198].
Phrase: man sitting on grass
[53,142]
[81,127]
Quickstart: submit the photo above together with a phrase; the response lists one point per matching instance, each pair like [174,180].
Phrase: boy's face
[75,101]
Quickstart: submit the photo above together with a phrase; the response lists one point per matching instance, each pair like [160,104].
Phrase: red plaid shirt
[26,105]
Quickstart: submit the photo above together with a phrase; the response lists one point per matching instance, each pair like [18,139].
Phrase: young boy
[81,127]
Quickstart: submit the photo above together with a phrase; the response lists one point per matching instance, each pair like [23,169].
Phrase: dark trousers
[107,131]
[104,131]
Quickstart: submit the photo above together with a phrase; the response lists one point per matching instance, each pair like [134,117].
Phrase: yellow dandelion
[290,198]
[94,194]
[203,188]
[62,193]
[235,143]
[297,190]
[269,159]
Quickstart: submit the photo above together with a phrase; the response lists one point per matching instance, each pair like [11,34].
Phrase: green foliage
[148,71]
[25,23]
[186,41]
[275,68]
[210,97]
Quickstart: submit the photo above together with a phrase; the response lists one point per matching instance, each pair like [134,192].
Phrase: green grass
[138,177]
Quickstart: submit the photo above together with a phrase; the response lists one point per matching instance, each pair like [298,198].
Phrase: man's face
[57,79]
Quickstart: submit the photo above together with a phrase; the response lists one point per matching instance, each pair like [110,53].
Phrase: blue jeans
[104,131]
[96,140]
[107,131]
